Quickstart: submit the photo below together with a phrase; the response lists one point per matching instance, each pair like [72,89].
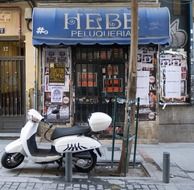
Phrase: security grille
[99,77]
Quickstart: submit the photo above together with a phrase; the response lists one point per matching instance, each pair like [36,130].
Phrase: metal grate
[99,76]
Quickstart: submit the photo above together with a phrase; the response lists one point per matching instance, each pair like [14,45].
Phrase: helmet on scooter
[99,121]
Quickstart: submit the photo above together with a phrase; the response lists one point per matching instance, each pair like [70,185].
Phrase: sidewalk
[181,161]
[31,176]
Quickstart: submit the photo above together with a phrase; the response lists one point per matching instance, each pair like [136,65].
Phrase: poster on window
[146,82]
[56,74]
[112,85]
[173,82]
[87,79]
[56,94]
[173,77]
[56,81]
[142,90]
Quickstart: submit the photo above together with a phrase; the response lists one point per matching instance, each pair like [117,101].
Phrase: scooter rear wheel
[85,161]
[11,160]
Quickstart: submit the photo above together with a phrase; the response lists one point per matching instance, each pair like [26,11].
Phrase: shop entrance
[99,78]
[12,86]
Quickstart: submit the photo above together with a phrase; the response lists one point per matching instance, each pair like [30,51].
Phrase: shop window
[99,79]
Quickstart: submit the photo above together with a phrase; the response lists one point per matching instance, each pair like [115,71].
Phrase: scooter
[76,139]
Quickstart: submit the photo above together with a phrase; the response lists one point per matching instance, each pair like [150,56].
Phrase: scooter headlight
[34,116]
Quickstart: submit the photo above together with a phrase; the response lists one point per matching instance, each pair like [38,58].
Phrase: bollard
[68,167]
[166,167]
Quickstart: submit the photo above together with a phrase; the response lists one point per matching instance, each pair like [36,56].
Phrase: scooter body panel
[15,146]
[75,143]
[27,131]
[20,144]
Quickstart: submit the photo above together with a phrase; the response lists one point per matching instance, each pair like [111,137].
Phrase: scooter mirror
[55,111]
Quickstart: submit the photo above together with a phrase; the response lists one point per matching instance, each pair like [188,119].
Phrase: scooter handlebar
[44,120]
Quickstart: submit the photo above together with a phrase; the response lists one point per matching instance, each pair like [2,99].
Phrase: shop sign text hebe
[98,25]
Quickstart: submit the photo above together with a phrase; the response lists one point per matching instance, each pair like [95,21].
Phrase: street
[32,176]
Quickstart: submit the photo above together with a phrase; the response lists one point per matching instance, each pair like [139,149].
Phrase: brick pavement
[94,184]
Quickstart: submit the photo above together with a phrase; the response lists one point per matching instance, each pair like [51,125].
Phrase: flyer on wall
[146,82]
[173,77]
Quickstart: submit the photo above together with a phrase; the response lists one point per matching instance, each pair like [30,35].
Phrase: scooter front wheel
[84,161]
[11,160]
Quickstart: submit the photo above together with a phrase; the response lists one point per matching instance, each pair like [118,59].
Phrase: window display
[99,78]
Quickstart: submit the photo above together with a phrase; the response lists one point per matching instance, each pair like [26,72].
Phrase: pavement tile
[30,176]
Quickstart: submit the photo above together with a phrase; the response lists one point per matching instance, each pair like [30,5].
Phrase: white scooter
[75,139]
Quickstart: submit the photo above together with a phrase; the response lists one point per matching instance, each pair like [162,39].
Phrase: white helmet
[99,121]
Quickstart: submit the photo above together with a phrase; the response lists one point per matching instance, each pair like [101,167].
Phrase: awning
[87,26]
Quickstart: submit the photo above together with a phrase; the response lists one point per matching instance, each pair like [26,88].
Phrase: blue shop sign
[70,26]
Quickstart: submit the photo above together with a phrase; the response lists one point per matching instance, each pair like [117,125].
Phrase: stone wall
[148,132]
[176,124]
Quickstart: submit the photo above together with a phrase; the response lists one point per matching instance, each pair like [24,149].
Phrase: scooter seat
[75,130]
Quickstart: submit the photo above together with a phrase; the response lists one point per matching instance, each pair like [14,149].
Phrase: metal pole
[127,144]
[113,135]
[131,103]
[136,131]
[68,167]
[166,167]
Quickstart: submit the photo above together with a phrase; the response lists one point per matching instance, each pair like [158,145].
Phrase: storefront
[83,59]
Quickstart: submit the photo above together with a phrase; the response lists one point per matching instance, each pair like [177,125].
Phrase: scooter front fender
[15,146]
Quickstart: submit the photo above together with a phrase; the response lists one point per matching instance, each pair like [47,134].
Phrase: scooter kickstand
[60,163]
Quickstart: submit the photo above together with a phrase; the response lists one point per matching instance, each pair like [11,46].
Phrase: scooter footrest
[44,152]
